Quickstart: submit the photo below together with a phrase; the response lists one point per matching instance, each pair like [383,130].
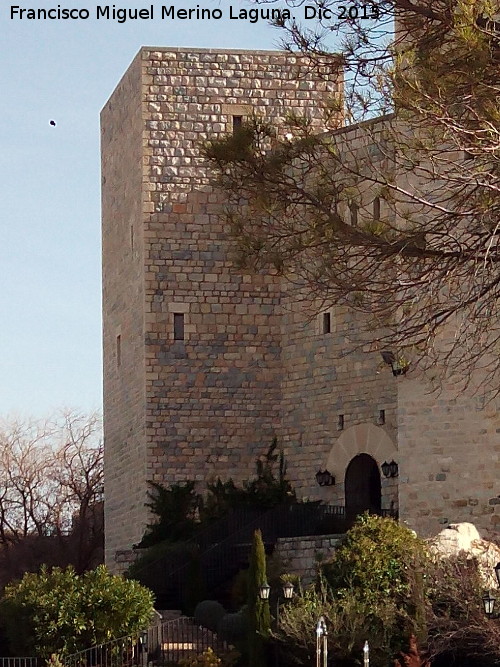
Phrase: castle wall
[212,394]
[334,388]
[450,456]
[123,313]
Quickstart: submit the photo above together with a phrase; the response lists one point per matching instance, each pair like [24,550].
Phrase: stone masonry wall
[123,312]
[300,555]
[212,400]
[333,376]
[450,453]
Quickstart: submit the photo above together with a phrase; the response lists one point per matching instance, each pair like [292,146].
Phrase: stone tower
[204,364]
[192,347]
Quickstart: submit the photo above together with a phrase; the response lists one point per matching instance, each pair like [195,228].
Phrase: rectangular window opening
[340,423]
[376,208]
[118,351]
[381,417]
[178,326]
[132,236]
[327,323]
[237,123]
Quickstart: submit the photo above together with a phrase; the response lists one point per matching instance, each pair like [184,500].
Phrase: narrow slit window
[327,323]
[376,208]
[381,417]
[237,123]
[353,210]
[118,351]
[132,236]
[178,326]
[340,423]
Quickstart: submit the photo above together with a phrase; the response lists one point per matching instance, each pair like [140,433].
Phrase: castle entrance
[362,487]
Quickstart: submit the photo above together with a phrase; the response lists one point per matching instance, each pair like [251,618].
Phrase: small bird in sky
[53,123]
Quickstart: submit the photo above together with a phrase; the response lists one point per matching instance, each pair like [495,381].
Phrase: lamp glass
[393,468]
[264,591]
[488,604]
[385,469]
[288,590]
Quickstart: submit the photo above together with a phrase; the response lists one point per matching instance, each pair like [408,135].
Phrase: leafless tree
[51,477]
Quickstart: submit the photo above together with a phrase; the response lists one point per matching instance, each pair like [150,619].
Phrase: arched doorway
[362,487]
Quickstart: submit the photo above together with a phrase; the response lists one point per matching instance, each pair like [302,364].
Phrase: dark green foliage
[258,614]
[377,558]
[233,627]
[240,146]
[176,508]
[370,588]
[179,510]
[266,490]
[209,614]
[269,488]
[194,588]
[57,611]
[155,562]
[238,591]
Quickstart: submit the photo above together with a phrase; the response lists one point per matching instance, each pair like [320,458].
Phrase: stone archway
[363,488]
[373,442]
[360,439]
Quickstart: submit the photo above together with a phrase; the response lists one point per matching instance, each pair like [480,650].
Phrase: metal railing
[161,644]
[19,662]
[122,652]
[223,548]
[174,640]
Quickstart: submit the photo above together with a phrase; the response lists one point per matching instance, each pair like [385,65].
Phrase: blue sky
[50,284]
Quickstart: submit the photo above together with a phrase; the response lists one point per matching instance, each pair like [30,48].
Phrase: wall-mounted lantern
[399,365]
[390,469]
[325,478]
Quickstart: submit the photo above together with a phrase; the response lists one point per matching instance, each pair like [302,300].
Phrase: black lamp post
[489,601]
[265,590]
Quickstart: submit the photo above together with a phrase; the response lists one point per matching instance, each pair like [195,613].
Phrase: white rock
[464,537]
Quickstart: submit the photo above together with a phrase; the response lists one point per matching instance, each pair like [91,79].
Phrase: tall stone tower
[192,347]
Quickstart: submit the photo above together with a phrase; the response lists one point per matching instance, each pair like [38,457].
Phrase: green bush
[372,587]
[233,627]
[176,510]
[209,613]
[59,612]
[350,621]
[378,559]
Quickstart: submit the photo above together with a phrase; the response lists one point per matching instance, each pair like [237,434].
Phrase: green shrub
[350,621]
[372,587]
[209,613]
[57,611]
[209,659]
[233,627]
[377,559]
[176,509]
